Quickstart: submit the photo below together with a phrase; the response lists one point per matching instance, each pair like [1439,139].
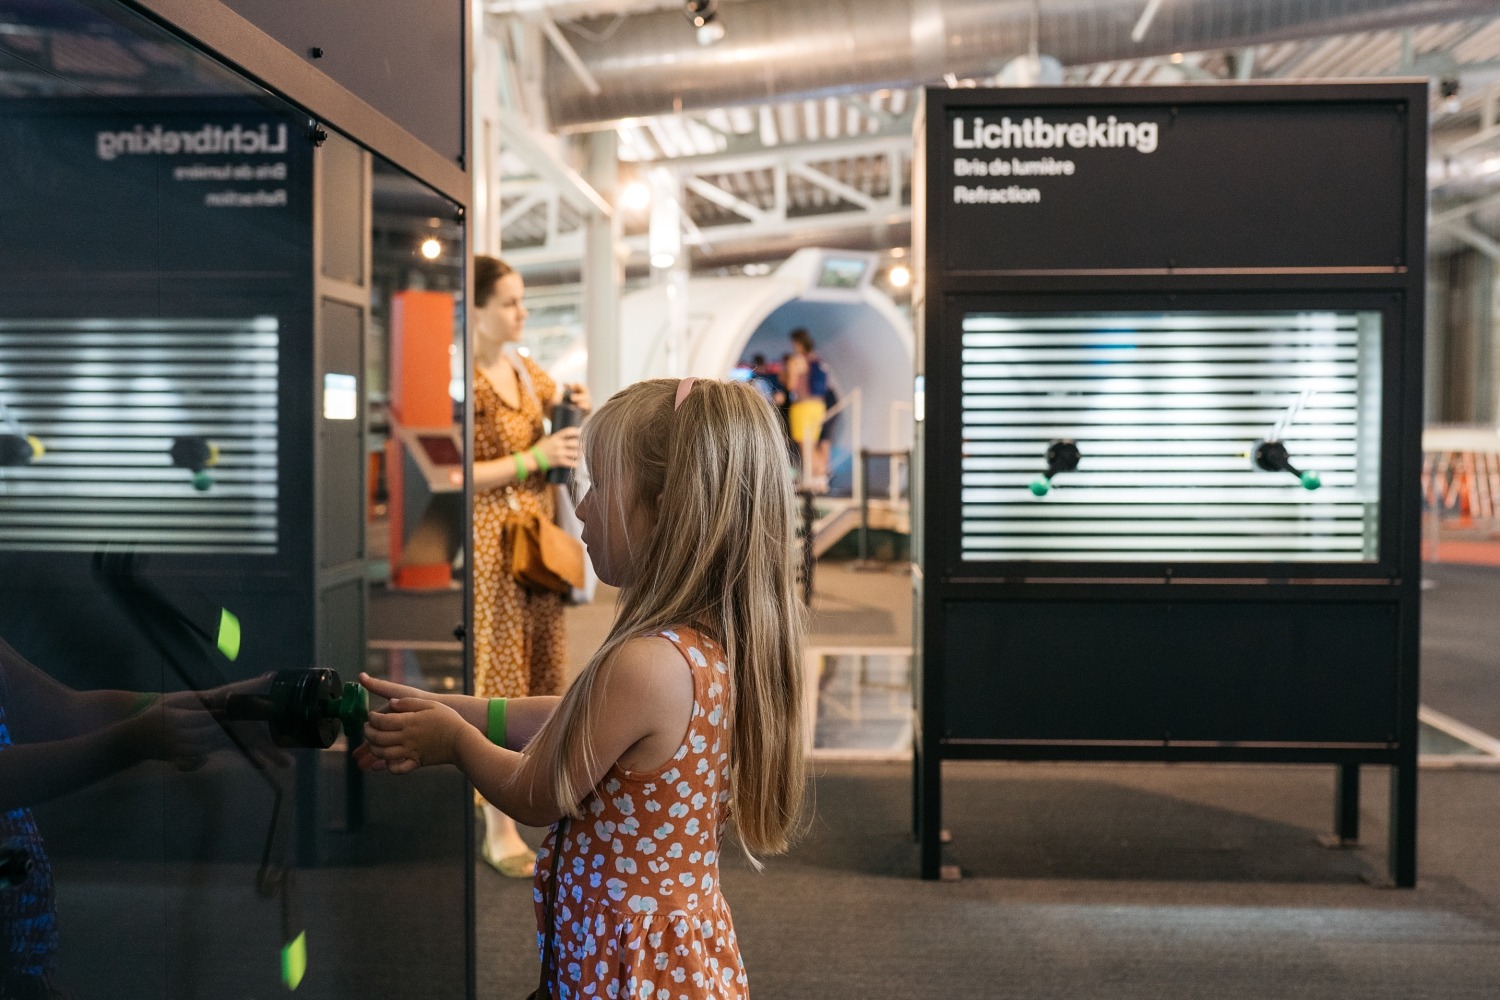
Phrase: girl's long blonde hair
[719,557]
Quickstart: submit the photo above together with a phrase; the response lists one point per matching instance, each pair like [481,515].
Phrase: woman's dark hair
[802,339]
[488,271]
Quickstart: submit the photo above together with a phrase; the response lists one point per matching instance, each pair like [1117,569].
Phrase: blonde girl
[686,717]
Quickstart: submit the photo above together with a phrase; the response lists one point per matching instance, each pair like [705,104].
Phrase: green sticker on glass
[294,962]
[229,634]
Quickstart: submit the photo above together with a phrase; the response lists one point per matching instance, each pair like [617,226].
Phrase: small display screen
[441,449]
[340,396]
[842,272]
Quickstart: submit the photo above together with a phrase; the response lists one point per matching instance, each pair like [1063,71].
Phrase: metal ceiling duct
[651,64]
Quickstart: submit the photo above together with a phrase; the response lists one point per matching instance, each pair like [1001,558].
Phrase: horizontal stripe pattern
[107,397]
[1165,411]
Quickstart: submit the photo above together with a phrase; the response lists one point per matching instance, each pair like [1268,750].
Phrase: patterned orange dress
[518,634]
[638,911]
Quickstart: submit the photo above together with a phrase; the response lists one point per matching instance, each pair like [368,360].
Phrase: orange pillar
[421,337]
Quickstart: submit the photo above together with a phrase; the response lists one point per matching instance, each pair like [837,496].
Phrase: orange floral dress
[518,634]
[638,912]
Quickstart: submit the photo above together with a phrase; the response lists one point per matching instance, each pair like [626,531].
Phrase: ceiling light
[432,248]
[636,196]
[703,15]
[900,276]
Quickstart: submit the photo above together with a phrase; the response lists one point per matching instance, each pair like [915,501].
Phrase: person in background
[687,719]
[806,380]
[518,633]
[765,382]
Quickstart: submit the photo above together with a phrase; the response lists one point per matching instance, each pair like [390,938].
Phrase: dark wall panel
[405,58]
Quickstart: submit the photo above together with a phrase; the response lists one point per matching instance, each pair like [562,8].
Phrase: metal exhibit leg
[1346,804]
[930,814]
[1403,837]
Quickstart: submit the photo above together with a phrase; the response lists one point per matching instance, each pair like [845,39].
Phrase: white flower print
[678,810]
[646,845]
[616,889]
[625,804]
[642,904]
[625,866]
[696,657]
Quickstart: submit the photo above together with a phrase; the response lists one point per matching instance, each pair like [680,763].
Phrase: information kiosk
[1169,385]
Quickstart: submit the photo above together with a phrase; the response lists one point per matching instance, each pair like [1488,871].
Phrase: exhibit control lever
[1272,457]
[1062,456]
[20,449]
[197,455]
[305,708]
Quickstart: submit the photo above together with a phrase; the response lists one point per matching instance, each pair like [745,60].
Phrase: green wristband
[495,728]
[541,460]
[521,471]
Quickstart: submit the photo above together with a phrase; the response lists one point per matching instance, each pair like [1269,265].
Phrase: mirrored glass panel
[1171,437]
[194,359]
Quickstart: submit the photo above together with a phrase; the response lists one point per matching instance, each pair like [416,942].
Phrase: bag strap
[543,991]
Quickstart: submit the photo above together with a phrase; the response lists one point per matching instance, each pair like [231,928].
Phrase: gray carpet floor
[1113,881]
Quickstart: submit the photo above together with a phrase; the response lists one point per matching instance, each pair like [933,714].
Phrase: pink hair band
[682,390]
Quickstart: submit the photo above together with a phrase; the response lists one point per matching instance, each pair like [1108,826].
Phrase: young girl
[687,716]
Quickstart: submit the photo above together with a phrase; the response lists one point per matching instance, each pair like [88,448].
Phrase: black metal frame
[939,576]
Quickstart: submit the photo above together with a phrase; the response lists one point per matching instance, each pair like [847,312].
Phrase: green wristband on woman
[494,728]
[521,470]
[542,464]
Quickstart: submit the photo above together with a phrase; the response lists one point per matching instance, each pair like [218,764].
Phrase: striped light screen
[1165,409]
[107,399]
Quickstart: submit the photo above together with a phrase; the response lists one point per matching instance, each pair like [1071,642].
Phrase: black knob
[1272,456]
[459,631]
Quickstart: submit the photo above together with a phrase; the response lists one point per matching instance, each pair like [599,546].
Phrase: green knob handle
[1311,480]
[202,481]
[354,710]
[1041,486]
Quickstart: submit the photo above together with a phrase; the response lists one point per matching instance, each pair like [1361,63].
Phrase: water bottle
[564,414]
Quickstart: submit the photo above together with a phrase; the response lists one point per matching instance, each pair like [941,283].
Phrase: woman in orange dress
[518,633]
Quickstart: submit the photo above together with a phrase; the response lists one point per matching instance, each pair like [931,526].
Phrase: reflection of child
[687,715]
[54,740]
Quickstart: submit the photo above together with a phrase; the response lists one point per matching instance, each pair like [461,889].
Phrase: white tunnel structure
[864,340]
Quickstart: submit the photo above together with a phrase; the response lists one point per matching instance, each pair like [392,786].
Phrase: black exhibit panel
[182,545]
[1169,433]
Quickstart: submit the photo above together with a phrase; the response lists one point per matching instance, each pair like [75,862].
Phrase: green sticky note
[294,961]
[229,634]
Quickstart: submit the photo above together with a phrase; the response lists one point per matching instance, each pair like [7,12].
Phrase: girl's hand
[390,689]
[412,733]
[561,448]
[166,730]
